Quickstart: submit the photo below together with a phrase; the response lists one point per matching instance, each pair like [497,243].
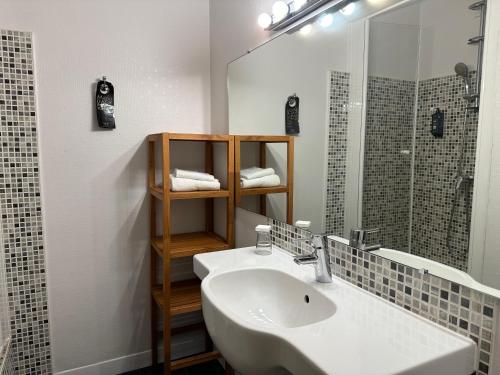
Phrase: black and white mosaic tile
[20,206]
[464,310]
[387,160]
[337,152]
[436,161]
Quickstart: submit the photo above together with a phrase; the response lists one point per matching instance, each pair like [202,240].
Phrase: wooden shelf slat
[194,360]
[264,138]
[190,137]
[185,296]
[174,195]
[264,190]
[157,191]
[189,244]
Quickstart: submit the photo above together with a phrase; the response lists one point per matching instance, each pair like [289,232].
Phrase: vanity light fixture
[297,4]
[286,13]
[280,11]
[264,20]
[326,20]
[348,9]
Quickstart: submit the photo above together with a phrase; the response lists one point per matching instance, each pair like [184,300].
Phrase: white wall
[156,53]
[446,25]
[393,43]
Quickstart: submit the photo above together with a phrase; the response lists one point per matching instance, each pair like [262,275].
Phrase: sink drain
[306,298]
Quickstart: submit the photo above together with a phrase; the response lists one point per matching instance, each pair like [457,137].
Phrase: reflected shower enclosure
[418,184]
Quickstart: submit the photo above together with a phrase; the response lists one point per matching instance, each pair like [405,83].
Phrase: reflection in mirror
[388,122]
[421,129]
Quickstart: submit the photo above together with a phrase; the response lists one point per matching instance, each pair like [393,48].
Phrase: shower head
[463,71]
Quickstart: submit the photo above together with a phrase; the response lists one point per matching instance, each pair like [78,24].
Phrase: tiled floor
[209,368]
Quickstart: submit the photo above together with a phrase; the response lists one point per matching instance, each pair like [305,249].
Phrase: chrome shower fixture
[463,71]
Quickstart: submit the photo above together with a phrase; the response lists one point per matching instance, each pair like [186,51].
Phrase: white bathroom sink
[268,297]
[267,315]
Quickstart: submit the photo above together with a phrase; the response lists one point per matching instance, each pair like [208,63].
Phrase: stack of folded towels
[183,180]
[259,177]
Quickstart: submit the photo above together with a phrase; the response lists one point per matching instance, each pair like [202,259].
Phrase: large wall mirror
[388,121]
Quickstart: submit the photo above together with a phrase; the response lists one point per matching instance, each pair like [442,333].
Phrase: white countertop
[366,335]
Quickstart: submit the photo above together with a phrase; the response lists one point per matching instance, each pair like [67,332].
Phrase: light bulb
[297,4]
[326,20]
[280,10]
[305,30]
[348,9]
[264,20]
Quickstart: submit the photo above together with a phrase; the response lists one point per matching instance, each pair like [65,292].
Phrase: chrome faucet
[357,239]
[320,257]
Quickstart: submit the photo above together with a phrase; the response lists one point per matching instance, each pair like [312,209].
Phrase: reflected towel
[256,172]
[266,181]
[186,184]
[193,175]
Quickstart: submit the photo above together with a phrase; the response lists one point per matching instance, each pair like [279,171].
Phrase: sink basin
[268,316]
[260,295]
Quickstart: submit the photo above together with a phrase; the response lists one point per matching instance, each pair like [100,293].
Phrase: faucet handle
[357,237]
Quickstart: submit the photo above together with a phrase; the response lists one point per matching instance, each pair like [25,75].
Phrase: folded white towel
[255,172]
[193,175]
[186,184]
[266,181]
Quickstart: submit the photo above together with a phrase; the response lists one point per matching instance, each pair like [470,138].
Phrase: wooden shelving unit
[169,299]
[263,140]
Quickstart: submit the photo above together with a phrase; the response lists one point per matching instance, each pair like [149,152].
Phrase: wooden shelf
[175,298]
[264,138]
[185,296]
[190,137]
[194,360]
[157,192]
[265,190]
[189,244]
[287,188]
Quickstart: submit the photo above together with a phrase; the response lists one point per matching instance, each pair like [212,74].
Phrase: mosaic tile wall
[387,160]
[466,311]
[337,152]
[435,170]
[20,206]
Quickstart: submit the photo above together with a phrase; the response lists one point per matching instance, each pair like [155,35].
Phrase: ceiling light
[280,10]
[264,20]
[348,9]
[326,20]
[305,30]
[297,4]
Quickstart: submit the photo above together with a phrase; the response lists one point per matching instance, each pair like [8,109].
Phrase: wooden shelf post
[183,297]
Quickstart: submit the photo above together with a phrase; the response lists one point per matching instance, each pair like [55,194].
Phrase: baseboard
[113,366]
[183,346]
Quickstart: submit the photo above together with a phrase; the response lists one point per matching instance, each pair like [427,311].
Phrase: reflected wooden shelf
[189,244]
[185,296]
[157,192]
[265,190]
[186,137]
[263,140]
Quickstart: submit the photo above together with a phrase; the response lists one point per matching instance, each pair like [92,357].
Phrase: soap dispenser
[263,245]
